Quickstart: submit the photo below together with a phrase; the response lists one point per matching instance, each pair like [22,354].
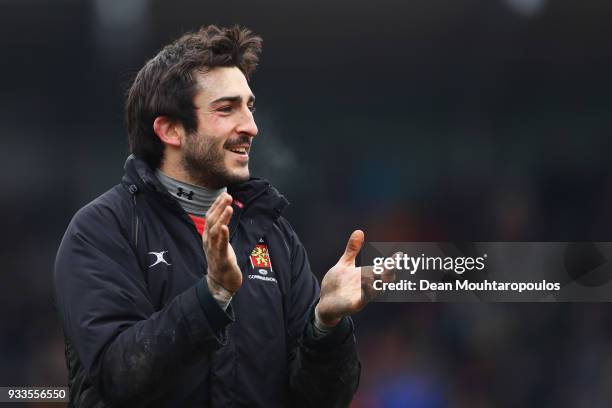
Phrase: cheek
[215,125]
[206,142]
[216,131]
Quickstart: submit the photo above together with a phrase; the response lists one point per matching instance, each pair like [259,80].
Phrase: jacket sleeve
[324,371]
[130,351]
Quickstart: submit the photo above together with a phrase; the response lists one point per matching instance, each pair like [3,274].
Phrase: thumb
[353,247]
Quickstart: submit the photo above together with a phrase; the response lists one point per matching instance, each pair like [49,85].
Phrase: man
[184,286]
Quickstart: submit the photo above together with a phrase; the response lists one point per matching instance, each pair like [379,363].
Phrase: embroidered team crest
[260,257]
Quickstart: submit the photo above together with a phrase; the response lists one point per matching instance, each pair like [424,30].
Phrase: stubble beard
[204,162]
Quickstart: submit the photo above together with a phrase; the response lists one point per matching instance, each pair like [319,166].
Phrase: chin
[238,176]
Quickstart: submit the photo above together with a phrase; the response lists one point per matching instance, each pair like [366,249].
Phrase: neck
[194,199]
[177,172]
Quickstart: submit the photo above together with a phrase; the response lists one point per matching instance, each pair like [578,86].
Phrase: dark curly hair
[166,85]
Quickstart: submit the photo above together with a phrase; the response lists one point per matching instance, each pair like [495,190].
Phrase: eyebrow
[233,99]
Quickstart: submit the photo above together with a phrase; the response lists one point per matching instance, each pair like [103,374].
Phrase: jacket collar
[139,174]
[257,203]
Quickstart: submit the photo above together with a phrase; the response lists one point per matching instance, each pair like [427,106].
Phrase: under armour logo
[182,192]
[159,258]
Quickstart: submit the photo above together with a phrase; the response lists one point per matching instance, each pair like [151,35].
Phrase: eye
[252,108]
[225,109]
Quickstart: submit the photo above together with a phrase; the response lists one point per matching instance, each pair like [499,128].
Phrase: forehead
[220,82]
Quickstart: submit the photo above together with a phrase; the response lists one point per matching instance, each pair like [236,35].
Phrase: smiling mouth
[242,150]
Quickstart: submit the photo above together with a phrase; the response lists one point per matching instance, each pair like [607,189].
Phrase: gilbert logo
[159,258]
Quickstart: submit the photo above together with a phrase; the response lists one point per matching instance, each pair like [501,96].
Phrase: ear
[168,131]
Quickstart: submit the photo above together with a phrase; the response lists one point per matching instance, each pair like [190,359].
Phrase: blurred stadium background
[422,120]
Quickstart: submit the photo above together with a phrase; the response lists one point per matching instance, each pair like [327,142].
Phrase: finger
[212,218]
[223,239]
[223,220]
[211,211]
[353,247]
[221,202]
[367,281]
[367,273]
[226,215]
[368,277]
[388,274]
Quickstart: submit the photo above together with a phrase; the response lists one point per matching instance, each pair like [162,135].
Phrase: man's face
[217,154]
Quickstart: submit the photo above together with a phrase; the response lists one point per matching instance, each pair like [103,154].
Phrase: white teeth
[239,150]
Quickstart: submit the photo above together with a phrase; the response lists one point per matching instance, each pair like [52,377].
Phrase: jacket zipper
[135,223]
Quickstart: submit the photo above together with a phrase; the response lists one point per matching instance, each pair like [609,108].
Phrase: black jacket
[141,331]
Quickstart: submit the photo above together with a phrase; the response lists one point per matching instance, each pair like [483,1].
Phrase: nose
[247,125]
